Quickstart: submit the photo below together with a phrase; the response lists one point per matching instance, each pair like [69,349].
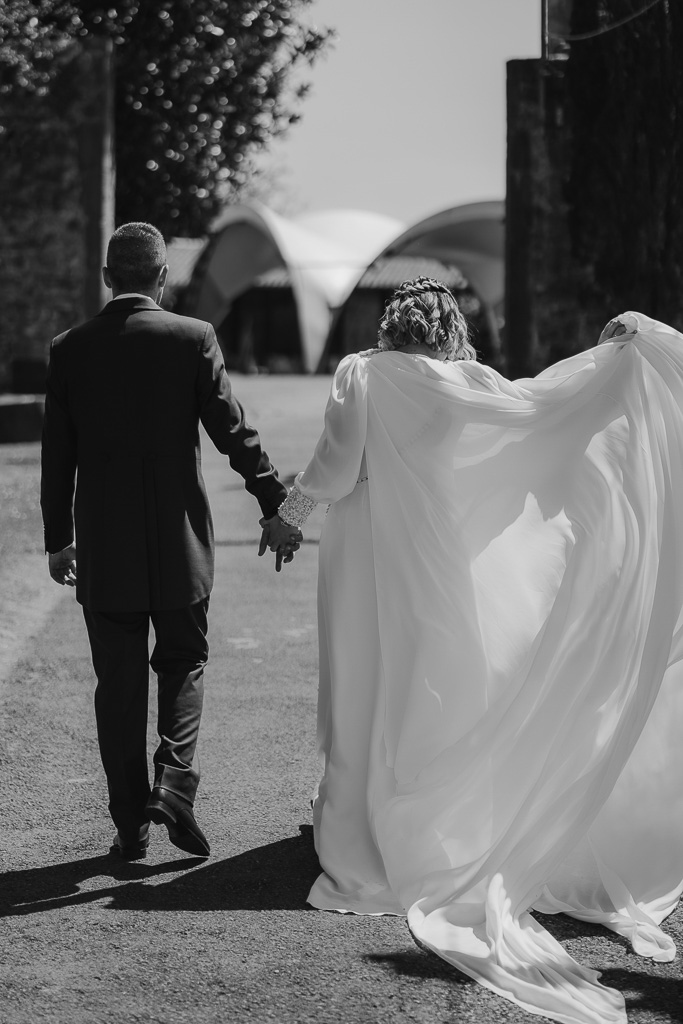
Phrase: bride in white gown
[501,633]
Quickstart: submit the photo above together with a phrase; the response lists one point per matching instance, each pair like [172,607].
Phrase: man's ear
[163,275]
[106,277]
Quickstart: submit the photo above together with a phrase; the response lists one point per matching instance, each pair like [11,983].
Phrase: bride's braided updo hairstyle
[424,312]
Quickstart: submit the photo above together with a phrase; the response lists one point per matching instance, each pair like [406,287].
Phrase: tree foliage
[200,85]
[625,91]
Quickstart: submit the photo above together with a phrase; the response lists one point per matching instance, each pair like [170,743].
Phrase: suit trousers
[120,656]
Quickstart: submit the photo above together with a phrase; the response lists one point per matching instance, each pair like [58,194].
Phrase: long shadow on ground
[273,877]
[648,992]
[644,993]
[277,876]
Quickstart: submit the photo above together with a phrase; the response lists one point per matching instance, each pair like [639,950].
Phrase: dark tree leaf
[200,86]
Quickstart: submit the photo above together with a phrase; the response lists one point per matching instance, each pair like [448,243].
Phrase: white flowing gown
[501,686]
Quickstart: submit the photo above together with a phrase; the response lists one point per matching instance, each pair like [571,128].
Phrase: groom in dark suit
[125,395]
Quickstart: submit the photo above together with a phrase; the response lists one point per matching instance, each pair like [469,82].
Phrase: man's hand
[62,566]
[281,538]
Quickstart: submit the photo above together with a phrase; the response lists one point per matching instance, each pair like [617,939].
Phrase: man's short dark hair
[135,255]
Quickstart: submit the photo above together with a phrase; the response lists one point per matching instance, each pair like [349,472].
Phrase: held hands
[62,566]
[281,538]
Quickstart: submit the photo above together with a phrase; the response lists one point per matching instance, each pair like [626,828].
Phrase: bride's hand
[281,538]
[616,327]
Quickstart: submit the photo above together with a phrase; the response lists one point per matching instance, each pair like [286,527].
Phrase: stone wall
[545,319]
[594,206]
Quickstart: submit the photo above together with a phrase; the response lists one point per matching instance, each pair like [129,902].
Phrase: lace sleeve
[296,508]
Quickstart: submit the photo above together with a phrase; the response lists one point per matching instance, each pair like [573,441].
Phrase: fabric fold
[501,605]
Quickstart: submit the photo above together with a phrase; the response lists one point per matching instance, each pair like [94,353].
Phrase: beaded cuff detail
[296,508]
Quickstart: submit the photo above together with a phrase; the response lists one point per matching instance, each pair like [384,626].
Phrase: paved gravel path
[176,940]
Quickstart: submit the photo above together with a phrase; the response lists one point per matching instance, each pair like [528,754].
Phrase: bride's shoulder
[351,372]
[349,362]
[355,363]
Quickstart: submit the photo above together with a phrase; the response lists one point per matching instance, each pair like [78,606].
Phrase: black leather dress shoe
[169,809]
[132,845]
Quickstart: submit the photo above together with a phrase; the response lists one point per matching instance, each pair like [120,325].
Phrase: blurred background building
[295,294]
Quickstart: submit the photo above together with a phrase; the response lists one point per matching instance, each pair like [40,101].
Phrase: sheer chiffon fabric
[501,686]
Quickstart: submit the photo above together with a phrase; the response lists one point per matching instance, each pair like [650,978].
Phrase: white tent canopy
[471,236]
[325,253]
[324,256]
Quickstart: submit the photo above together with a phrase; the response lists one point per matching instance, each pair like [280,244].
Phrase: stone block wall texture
[594,204]
[546,319]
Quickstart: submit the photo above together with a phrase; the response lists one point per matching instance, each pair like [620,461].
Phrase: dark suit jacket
[125,395]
